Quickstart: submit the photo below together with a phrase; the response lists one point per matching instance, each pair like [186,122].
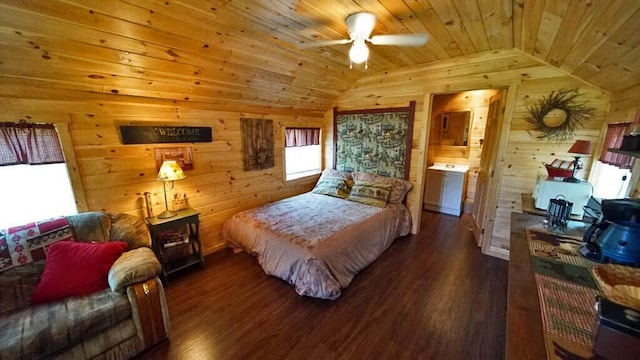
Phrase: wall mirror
[454,129]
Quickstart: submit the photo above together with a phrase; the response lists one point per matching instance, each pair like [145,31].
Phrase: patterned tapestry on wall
[374,142]
[257,144]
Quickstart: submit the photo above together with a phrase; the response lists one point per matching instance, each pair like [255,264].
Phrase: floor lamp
[580,147]
[170,171]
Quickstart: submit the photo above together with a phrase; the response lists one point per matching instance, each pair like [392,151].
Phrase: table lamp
[580,147]
[169,172]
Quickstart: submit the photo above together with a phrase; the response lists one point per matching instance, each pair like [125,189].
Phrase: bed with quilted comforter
[317,241]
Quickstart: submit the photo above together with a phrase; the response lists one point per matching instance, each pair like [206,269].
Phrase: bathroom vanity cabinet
[445,188]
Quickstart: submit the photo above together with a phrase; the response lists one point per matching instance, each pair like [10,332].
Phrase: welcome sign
[164,134]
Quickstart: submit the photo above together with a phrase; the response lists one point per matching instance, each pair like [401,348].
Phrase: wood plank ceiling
[237,53]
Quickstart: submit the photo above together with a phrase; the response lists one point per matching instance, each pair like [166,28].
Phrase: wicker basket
[610,275]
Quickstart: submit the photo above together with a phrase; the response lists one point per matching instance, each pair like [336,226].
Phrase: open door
[487,166]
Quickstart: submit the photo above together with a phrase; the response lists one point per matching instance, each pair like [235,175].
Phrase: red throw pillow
[75,269]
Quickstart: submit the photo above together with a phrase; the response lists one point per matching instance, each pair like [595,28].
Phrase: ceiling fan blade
[400,39]
[324,43]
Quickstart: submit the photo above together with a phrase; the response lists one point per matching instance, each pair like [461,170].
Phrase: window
[34,176]
[35,192]
[610,182]
[612,172]
[303,153]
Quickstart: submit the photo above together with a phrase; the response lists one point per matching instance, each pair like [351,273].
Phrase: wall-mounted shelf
[626,152]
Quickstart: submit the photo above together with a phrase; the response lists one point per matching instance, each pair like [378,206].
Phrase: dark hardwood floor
[430,296]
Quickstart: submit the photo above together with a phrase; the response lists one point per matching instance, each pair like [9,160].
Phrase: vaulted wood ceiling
[238,53]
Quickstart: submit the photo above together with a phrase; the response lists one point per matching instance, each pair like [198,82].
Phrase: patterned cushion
[399,187]
[334,183]
[90,226]
[376,194]
[130,229]
[17,284]
[333,187]
[38,331]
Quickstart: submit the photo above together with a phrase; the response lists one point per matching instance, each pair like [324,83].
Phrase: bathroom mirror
[454,129]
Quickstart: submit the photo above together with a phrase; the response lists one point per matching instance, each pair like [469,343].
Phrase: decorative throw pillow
[75,269]
[337,174]
[399,187]
[333,186]
[334,183]
[375,194]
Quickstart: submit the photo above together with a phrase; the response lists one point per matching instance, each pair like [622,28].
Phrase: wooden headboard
[374,140]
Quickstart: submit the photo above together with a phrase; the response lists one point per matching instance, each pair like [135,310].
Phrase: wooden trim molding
[499,166]
[420,183]
[72,166]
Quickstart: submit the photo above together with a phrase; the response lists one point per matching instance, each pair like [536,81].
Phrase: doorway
[457,131]
[476,147]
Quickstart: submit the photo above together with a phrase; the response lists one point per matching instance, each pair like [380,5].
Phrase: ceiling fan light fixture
[361,24]
[359,52]
[359,27]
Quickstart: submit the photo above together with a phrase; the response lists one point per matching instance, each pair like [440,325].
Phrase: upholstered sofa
[118,322]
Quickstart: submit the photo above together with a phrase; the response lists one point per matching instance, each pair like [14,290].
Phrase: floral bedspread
[317,243]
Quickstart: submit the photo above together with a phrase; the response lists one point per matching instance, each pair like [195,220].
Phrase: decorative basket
[610,275]
[559,168]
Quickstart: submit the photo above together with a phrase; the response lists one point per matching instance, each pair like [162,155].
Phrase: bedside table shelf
[185,262]
[176,241]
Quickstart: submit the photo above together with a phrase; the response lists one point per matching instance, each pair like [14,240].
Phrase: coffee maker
[615,237]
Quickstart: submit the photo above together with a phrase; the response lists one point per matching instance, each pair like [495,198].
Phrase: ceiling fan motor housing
[360,25]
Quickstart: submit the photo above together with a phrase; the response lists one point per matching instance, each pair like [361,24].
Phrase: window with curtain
[303,153]
[34,174]
[613,140]
[612,172]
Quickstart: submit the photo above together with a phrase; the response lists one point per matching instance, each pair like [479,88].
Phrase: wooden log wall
[115,176]
[524,154]
[477,102]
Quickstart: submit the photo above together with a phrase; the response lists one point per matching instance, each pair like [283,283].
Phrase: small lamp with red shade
[580,147]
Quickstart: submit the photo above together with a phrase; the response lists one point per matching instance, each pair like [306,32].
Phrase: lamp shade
[359,52]
[582,147]
[170,171]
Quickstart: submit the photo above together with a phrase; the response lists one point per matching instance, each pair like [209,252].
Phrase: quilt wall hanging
[257,144]
[375,141]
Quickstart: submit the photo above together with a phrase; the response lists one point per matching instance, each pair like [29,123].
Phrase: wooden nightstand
[176,241]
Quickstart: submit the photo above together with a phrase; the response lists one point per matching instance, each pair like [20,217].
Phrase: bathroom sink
[450,167]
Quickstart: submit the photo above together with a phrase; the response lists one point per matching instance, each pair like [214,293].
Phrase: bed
[318,241]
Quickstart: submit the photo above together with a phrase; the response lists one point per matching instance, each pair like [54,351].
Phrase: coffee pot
[616,236]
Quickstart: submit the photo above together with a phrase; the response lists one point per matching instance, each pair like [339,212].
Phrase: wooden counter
[525,339]
[529,207]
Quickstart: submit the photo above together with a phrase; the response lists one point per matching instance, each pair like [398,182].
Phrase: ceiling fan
[360,25]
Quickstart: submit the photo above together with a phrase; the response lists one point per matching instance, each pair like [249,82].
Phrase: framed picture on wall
[182,155]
